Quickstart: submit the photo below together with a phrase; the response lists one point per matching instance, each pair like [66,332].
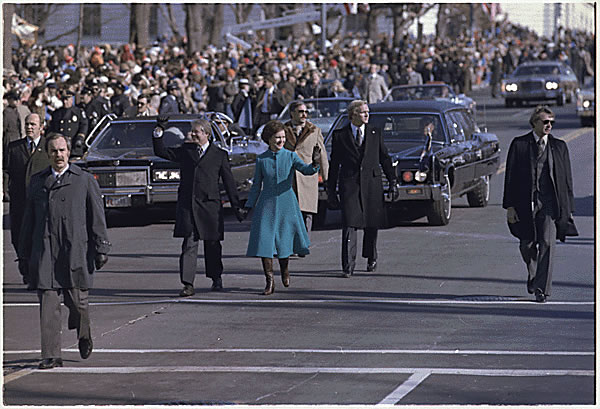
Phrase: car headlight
[551,85]
[420,176]
[131,178]
[586,103]
[165,175]
[512,87]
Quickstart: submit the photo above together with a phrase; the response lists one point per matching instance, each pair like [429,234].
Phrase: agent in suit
[301,137]
[22,159]
[538,197]
[357,151]
[63,240]
[199,214]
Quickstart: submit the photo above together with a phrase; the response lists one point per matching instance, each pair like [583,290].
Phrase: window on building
[92,20]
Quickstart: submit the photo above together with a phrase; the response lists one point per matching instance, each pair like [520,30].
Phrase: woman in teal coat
[277,228]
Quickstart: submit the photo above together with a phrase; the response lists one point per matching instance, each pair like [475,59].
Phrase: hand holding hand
[316,156]
[241,213]
[511,215]
[394,191]
[100,260]
[162,121]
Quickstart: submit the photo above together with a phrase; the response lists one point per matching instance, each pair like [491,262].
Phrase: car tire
[440,210]
[508,102]
[480,196]
[561,99]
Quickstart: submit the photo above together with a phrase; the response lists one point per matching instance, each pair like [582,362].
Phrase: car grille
[532,86]
[120,179]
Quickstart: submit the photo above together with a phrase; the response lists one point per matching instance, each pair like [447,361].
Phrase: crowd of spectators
[108,78]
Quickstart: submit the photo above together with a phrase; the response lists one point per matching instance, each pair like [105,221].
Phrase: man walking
[62,241]
[199,214]
[22,159]
[357,152]
[538,198]
[301,137]
[373,86]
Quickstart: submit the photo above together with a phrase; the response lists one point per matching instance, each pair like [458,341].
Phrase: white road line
[316,351]
[506,300]
[405,388]
[316,369]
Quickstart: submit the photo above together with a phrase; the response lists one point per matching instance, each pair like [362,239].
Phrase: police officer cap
[172,85]
[67,93]
[12,95]
[86,90]
[244,81]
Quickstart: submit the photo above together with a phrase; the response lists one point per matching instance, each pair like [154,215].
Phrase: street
[445,319]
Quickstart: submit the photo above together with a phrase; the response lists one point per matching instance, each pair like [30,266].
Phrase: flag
[351,8]
[491,9]
[25,32]
[245,119]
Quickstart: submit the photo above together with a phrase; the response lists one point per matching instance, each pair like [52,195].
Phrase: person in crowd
[301,136]
[22,159]
[98,107]
[357,152]
[228,128]
[11,120]
[373,86]
[538,198]
[142,107]
[71,122]
[496,73]
[277,229]
[269,102]
[120,102]
[169,104]
[62,241]
[199,213]
[242,107]
[216,94]
[338,90]
[413,77]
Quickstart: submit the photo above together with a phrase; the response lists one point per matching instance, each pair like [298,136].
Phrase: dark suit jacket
[19,165]
[518,184]
[359,174]
[199,208]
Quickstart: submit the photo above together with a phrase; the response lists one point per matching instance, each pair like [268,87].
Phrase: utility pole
[557,13]
[323,28]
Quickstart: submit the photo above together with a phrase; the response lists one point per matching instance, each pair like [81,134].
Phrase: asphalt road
[445,319]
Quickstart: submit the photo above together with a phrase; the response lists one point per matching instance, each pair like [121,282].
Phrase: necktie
[541,146]
[31,147]
[358,136]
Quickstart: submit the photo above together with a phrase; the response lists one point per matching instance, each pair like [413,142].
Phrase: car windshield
[537,70]
[127,136]
[321,109]
[417,92]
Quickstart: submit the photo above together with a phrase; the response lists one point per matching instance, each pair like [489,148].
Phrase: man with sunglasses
[538,197]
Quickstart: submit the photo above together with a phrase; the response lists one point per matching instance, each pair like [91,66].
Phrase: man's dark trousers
[213,263]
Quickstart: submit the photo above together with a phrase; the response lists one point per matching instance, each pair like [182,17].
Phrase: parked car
[586,104]
[430,91]
[122,160]
[455,159]
[540,81]
[321,112]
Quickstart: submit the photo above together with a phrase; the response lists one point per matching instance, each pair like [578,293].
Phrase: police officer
[120,102]
[97,106]
[170,103]
[70,121]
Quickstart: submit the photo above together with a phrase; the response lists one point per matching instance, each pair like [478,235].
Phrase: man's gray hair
[54,136]
[354,106]
[204,124]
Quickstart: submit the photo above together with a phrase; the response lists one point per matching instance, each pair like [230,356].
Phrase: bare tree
[241,11]
[199,17]
[170,19]
[37,14]
[8,10]
[79,31]
[138,25]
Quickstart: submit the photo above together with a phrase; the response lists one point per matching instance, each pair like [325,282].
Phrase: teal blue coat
[277,227]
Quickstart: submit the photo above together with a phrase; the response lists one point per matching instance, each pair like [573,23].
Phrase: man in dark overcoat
[63,240]
[538,197]
[70,121]
[357,151]
[22,159]
[199,214]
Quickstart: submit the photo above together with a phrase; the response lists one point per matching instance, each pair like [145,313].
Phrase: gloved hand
[316,156]
[511,215]
[241,213]
[162,121]
[394,191]
[100,260]
[333,202]
[24,269]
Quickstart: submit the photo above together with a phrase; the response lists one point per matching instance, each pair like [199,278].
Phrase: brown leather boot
[285,272]
[268,269]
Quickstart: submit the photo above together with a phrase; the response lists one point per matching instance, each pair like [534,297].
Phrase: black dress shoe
[50,363]
[85,347]
[188,291]
[217,284]
[372,265]
[530,288]
[347,274]
[540,296]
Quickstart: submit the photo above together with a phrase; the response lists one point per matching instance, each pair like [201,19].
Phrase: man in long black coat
[22,159]
[538,196]
[355,161]
[63,240]
[199,213]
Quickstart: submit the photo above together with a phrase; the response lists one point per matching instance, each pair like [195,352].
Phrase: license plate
[118,201]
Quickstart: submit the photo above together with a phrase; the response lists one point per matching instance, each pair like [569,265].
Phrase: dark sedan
[430,91]
[586,103]
[540,81]
[438,153]
[122,160]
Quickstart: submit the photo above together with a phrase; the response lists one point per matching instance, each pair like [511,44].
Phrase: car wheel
[320,218]
[560,100]
[480,196]
[508,102]
[441,210]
